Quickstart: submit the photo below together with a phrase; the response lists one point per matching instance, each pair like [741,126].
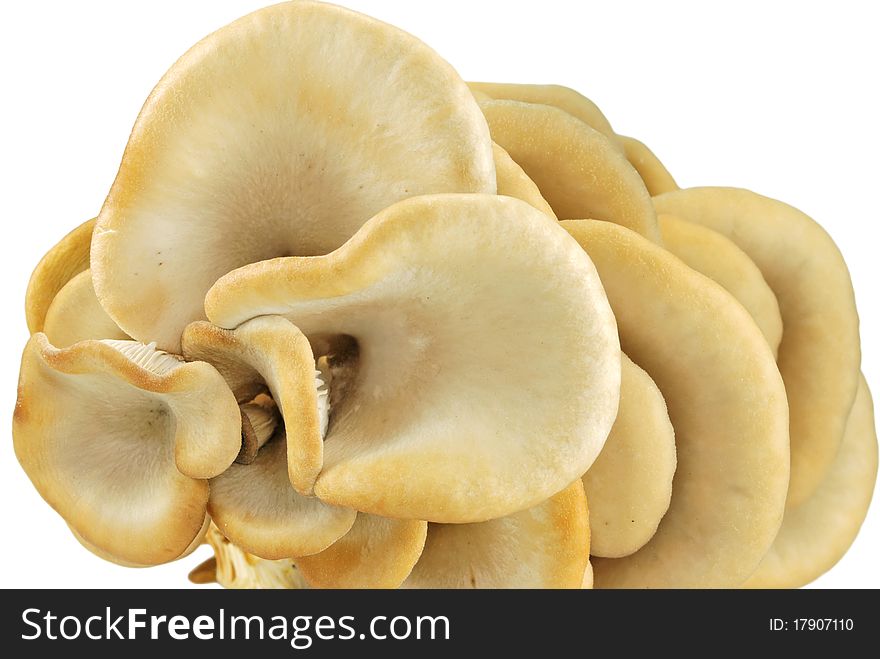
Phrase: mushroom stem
[258,423]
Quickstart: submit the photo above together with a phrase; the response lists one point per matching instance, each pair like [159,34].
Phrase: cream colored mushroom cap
[655,175]
[716,256]
[558,96]
[721,386]
[76,315]
[67,258]
[514,182]
[488,368]
[377,552]
[629,486]
[815,535]
[819,354]
[279,134]
[579,171]
[547,546]
[117,439]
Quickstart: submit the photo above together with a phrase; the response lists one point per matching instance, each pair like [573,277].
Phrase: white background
[778,97]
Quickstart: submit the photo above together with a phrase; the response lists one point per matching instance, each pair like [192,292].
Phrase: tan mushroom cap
[564,98]
[76,315]
[547,546]
[716,256]
[269,352]
[815,535]
[819,354]
[579,171]
[279,134]
[629,486]
[67,258]
[726,402]
[514,182]
[487,374]
[257,508]
[376,553]
[655,175]
[117,438]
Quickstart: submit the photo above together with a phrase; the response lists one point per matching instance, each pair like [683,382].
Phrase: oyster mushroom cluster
[357,323]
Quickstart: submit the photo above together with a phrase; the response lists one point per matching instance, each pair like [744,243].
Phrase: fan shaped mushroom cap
[269,352]
[819,354]
[716,256]
[514,182]
[279,134]
[629,485]
[726,402]
[579,171]
[76,315]
[257,508]
[547,546]
[816,534]
[67,258]
[117,438]
[487,375]
[564,98]
[376,553]
[655,175]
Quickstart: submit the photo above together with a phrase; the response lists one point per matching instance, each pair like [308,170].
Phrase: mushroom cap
[547,546]
[514,182]
[819,354]
[67,258]
[579,171]
[716,256]
[655,175]
[279,134]
[558,96]
[629,486]
[269,352]
[117,439]
[815,535]
[726,402]
[488,367]
[256,507]
[377,552]
[76,315]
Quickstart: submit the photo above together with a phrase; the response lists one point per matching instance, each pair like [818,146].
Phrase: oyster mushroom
[712,254]
[816,534]
[727,404]
[279,134]
[117,437]
[579,171]
[819,353]
[262,506]
[66,259]
[547,546]
[376,553]
[629,485]
[484,376]
[514,182]
[76,315]
[656,177]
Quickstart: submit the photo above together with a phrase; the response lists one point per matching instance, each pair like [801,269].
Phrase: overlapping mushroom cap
[277,135]
[819,353]
[482,365]
[720,382]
